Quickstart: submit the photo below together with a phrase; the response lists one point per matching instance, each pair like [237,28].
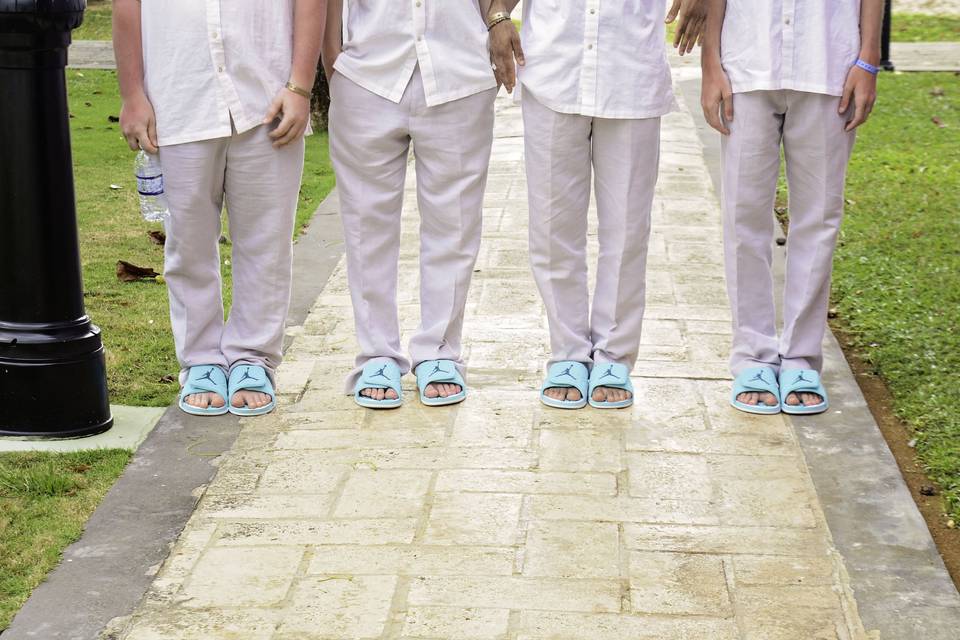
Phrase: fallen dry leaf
[937,121]
[157,237]
[127,272]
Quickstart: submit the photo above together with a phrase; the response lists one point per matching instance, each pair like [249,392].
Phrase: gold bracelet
[497,18]
[300,91]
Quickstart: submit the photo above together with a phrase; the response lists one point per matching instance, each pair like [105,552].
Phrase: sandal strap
[380,375]
[613,375]
[250,376]
[800,381]
[568,374]
[756,380]
[205,379]
[431,371]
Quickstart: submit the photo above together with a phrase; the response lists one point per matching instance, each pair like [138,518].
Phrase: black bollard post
[885,62]
[52,369]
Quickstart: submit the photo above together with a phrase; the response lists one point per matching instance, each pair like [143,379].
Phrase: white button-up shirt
[385,40]
[205,66]
[599,58]
[803,45]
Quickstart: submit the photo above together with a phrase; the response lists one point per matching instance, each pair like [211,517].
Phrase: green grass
[896,286]
[134,316]
[924,28]
[97,22]
[45,499]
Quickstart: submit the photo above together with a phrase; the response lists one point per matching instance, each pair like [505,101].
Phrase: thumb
[674,10]
[518,52]
[845,100]
[275,107]
[728,107]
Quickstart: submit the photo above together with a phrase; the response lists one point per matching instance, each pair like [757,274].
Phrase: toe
[811,399]
[573,395]
[599,395]
[793,400]
[390,394]
[431,391]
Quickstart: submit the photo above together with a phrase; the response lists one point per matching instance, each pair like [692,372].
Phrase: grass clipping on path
[45,499]
[896,283]
[134,317]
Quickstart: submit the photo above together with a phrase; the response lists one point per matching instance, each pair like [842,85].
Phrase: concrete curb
[105,574]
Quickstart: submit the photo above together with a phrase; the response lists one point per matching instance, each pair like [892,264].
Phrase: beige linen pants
[370,139]
[816,150]
[560,150]
[260,186]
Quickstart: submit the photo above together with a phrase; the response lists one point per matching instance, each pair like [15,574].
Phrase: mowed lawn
[134,316]
[896,284]
[45,499]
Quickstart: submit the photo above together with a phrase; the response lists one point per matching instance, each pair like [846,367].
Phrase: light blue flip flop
[207,378]
[379,374]
[756,380]
[566,375]
[802,381]
[443,371]
[615,376]
[251,377]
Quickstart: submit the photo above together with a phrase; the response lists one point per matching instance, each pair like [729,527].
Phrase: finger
[674,10]
[711,113]
[845,98]
[694,35]
[292,135]
[283,128]
[678,34]
[274,111]
[131,139]
[727,100]
[152,136]
[859,116]
[518,50]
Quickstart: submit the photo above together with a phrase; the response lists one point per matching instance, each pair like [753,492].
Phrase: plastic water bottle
[153,201]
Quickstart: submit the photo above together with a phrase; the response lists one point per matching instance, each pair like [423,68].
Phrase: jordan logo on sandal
[207,376]
[759,377]
[380,373]
[567,373]
[437,369]
[609,374]
[800,378]
[246,375]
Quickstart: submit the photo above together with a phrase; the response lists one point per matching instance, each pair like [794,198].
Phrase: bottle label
[150,185]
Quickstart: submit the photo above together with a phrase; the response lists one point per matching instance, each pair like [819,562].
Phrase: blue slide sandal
[615,376]
[379,374]
[251,377]
[207,378]
[802,381]
[442,371]
[566,375]
[756,380]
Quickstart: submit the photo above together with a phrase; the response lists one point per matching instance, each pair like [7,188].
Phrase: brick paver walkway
[501,518]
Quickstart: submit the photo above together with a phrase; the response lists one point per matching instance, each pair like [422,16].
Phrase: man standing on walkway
[595,82]
[223,96]
[800,74]
[405,73]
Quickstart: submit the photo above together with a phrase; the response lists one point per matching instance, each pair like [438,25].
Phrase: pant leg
[452,144]
[557,152]
[262,188]
[751,165]
[369,141]
[817,151]
[626,157]
[193,180]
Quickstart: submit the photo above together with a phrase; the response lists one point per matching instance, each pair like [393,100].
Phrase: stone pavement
[940,7]
[501,518]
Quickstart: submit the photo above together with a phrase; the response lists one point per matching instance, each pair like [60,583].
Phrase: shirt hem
[577,110]
[747,87]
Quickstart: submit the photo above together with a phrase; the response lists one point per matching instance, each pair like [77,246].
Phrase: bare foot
[379,394]
[808,399]
[754,398]
[568,394]
[441,390]
[250,399]
[610,394]
[204,400]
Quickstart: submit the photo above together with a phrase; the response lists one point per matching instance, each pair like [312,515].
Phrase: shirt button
[219,69]
[418,4]
[589,46]
[786,21]
[592,11]
[215,35]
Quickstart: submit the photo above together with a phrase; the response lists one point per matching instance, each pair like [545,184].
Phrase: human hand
[294,113]
[860,89]
[691,24]
[504,49]
[139,123]
[717,94]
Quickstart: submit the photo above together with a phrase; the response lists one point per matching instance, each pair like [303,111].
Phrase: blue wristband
[866,66]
